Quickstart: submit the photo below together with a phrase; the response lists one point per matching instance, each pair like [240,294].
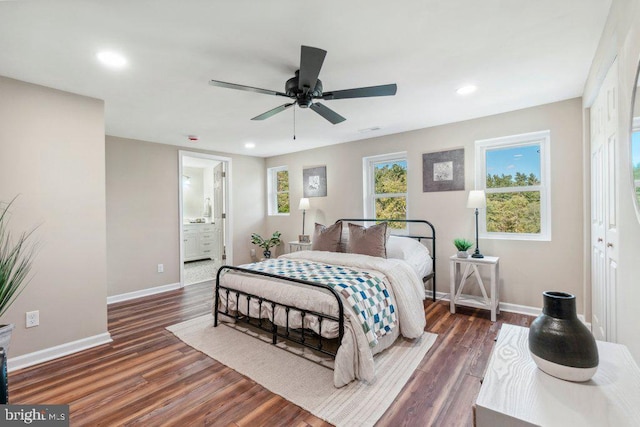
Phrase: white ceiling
[519,53]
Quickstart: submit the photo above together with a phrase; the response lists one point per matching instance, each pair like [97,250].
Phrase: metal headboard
[431,276]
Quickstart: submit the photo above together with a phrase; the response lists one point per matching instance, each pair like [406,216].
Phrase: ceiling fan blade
[273,112]
[327,113]
[311,60]
[246,88]
[361,92]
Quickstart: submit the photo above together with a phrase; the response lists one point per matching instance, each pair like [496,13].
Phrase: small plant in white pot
[16,255]
[463,245]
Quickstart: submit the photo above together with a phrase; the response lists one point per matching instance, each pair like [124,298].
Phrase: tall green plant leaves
[15,261]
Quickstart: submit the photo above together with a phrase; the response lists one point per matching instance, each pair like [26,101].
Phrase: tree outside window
[278,190]
[282,184]
[387,192]
[515,179]
[510,208]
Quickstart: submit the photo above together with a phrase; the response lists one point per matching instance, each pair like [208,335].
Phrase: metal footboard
[284,332]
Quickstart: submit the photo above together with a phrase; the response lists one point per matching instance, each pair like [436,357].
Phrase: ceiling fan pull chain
[294,122]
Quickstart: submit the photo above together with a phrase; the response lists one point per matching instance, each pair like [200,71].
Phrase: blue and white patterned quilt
[365,293]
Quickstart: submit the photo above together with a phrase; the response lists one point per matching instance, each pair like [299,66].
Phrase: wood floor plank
[148,377]
[456,411]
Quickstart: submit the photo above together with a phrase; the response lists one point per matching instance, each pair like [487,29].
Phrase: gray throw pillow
[326,238]
[368,240]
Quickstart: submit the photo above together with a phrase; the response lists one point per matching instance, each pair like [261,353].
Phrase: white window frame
[543,138]
[369,196]
[272,191]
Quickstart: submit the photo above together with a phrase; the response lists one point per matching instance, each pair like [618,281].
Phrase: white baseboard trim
[202,281]
[520,309]
[40,356]
[439,295]
[508,307]
[142,293]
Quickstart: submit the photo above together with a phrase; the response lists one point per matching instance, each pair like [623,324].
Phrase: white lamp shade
[476,199]
[304,204]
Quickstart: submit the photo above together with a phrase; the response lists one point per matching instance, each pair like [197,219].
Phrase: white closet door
[604,218]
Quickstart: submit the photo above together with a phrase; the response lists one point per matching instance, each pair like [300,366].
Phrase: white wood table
[491,301]
[515,392]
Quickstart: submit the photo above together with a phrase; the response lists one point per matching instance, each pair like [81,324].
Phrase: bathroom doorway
[204,216]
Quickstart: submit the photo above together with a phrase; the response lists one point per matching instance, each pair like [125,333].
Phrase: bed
[347,301]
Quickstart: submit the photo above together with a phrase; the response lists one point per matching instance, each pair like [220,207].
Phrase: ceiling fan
[305,88]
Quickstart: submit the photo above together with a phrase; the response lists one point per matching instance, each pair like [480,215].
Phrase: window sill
[510,236]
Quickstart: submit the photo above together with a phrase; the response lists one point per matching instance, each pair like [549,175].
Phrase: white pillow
[412,252]
[405,248]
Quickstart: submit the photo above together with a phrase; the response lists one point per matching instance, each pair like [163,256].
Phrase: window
[635,156]
[385,187]
[514,172]
[278,190]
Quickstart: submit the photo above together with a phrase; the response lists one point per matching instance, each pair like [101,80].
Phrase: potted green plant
[266,244]
[16,256]
[463,246]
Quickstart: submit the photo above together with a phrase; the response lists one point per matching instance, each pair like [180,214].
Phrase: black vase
[559,343]
[267,254]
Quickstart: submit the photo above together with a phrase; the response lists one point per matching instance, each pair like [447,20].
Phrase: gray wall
[621,39]
[527,267]
[52,155]
[143,212]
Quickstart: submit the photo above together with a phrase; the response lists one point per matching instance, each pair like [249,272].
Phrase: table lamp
[303,206]
[476,200]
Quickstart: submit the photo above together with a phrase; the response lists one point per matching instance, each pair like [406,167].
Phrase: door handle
[599,239]
[609,245]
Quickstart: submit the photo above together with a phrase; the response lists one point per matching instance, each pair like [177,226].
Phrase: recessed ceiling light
[112,59]
[466,90]
[249,145]
[371,129]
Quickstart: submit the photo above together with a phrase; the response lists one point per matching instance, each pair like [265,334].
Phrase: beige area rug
[357,404]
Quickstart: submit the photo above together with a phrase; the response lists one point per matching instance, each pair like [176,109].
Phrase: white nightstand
[296,246]
[490,302]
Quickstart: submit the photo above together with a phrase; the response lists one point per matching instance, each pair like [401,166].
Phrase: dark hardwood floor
[148,377]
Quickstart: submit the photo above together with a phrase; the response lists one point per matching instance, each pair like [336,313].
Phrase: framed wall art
[314,182]
[443,170]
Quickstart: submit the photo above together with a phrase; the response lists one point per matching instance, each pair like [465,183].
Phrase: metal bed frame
[431,276]
[272,328]
[298,335]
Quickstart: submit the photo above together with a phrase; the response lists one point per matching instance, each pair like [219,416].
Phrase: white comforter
[355,358]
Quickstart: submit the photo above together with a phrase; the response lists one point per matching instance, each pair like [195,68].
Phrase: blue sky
[508,161]
[635,148]
[382,165]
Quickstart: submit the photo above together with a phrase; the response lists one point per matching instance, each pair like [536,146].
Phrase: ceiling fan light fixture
[466,90]
[112,59]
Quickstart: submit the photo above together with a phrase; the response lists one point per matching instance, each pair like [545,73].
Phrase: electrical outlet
[160,268]
[33,318]
[253,253]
